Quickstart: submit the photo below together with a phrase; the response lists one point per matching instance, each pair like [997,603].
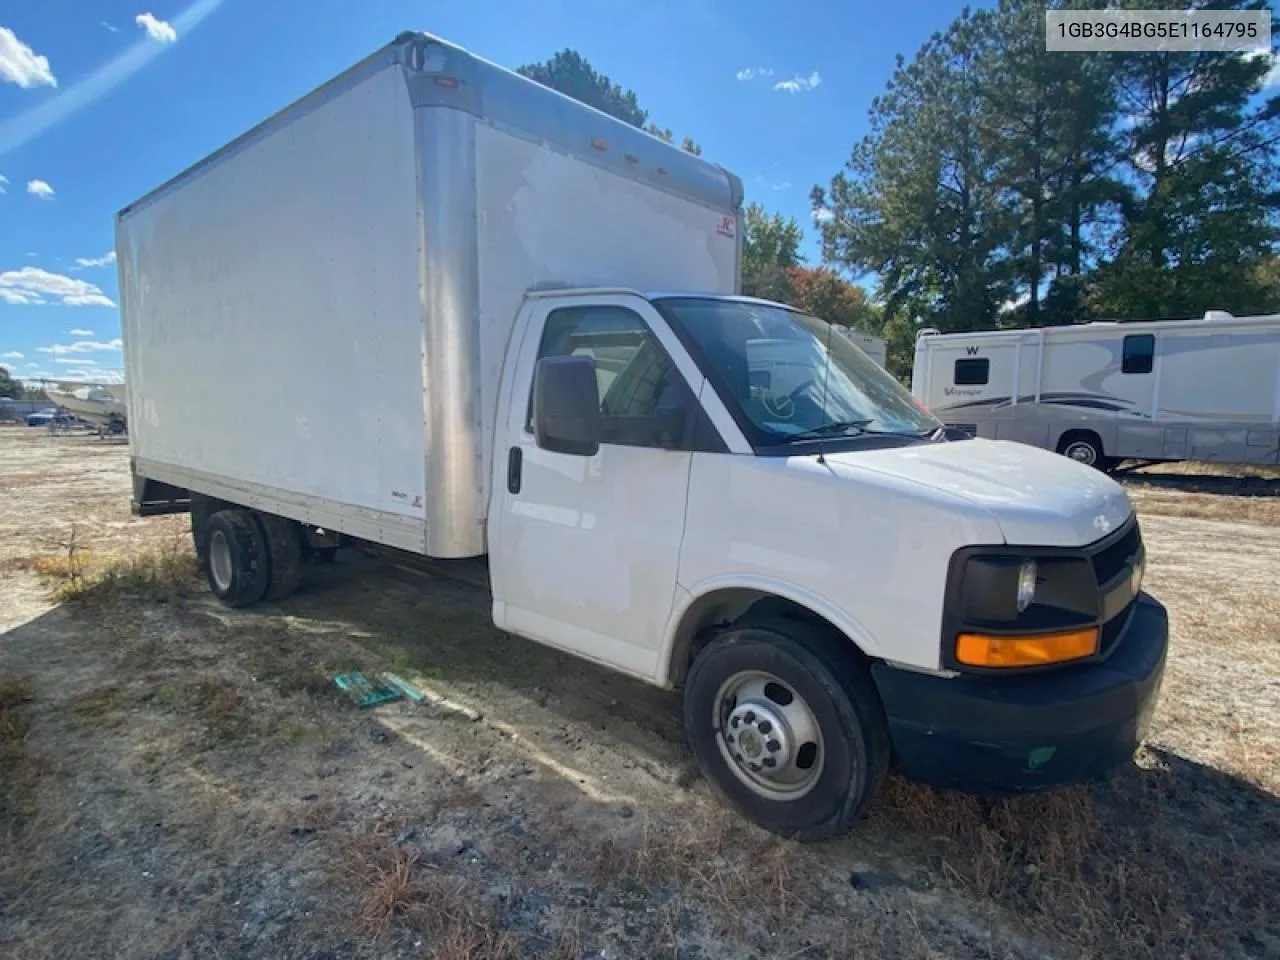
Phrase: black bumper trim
[1021,733]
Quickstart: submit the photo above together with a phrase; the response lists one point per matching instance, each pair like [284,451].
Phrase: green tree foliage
[770,249]
[1001,184]
[571,73]
[1198,209]
[10,388]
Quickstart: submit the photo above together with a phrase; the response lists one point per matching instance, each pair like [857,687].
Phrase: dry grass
[1205,506]
[162,573]
[1112,872]
[18,771]
[455,916]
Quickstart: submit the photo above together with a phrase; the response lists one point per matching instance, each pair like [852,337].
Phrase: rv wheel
[1084,448]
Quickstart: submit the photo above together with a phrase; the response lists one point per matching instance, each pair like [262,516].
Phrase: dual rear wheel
[248,556]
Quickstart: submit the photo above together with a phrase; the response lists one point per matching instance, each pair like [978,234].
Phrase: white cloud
[19,63]
[41,117]
[750,73]
[110,27]
[106,259]
[80,332]
[799,84]
[81,346]
[41,189]
[157,30]
[12,355]
[76,361]
[775,185]
[3,180]
[31,285]
[823,215]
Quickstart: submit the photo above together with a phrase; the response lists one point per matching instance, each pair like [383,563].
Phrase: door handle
[515,464]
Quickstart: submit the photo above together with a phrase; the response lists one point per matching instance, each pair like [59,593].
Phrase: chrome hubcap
[220,560]
[1081,452]
[768,735]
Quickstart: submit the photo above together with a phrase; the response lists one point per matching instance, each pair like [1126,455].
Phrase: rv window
[973,371]
[1138,352]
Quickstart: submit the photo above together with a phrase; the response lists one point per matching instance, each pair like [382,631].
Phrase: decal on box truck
[727,227]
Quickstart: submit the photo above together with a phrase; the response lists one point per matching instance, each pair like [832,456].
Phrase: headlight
[1026,585]
[1018,607]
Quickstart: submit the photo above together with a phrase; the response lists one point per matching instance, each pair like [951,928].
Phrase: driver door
[586,548]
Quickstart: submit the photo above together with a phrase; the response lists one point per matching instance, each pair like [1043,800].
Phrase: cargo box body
[315,317]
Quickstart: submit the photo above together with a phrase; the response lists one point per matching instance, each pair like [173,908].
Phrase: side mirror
[566,405]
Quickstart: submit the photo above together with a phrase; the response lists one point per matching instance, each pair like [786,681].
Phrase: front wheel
[786,724]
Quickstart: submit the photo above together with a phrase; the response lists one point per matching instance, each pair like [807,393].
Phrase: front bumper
[1016,734]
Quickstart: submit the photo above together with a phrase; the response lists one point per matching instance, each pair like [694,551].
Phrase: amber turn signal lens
[979,650]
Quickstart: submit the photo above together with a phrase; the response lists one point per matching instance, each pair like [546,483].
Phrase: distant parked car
[42,418]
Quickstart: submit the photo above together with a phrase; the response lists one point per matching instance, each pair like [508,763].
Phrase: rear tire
[788,692]
[1084,447]
[284,553]
[235,558]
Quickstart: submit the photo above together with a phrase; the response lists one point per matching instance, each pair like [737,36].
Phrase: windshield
[770,365]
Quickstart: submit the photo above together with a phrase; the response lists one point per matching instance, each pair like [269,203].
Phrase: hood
[1037,497]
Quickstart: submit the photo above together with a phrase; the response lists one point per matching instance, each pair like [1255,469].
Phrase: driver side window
[642,394]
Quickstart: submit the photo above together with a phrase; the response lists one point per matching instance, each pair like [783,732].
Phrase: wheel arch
[726,600]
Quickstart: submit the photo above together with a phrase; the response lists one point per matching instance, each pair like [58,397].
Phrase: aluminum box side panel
[271,310]
[546,217]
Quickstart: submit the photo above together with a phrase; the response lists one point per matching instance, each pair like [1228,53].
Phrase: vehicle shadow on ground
[1241,486]
[1141,816]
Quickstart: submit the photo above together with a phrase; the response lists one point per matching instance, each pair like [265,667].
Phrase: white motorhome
[872,346]
[701,490]
[1202,389]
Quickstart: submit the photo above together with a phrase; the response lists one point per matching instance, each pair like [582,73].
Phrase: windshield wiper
[834,427]
[859,428]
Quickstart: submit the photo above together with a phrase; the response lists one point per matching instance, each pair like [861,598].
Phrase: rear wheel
[235,560]
[285,555]
[786,724]
[1084,448]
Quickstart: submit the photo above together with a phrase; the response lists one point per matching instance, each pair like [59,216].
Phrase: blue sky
[101,100]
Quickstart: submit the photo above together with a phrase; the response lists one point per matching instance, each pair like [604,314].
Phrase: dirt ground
[178,780]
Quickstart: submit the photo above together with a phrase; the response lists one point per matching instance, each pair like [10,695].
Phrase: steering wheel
[783,405]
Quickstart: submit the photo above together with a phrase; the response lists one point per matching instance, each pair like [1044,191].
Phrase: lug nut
[774,746]
[765,726]
[750,716]
[770,761]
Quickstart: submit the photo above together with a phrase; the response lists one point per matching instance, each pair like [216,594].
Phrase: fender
[686,597]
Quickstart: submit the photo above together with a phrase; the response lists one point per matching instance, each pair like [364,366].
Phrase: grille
[1109,564]
[1112,559]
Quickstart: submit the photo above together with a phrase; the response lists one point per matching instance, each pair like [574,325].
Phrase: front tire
[786,725]
[235,558]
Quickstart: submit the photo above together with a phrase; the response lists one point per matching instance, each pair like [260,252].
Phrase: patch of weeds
[100,706]
[81,576]
[396,889]
[225,711]
[18,770]
[1110,872]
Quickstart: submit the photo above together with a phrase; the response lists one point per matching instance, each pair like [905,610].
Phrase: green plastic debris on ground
[362,692]
[404,686]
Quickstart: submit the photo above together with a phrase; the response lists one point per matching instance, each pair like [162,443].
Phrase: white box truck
[1202,389]
[404,313]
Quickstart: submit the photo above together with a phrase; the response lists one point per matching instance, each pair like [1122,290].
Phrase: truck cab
[711,492]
